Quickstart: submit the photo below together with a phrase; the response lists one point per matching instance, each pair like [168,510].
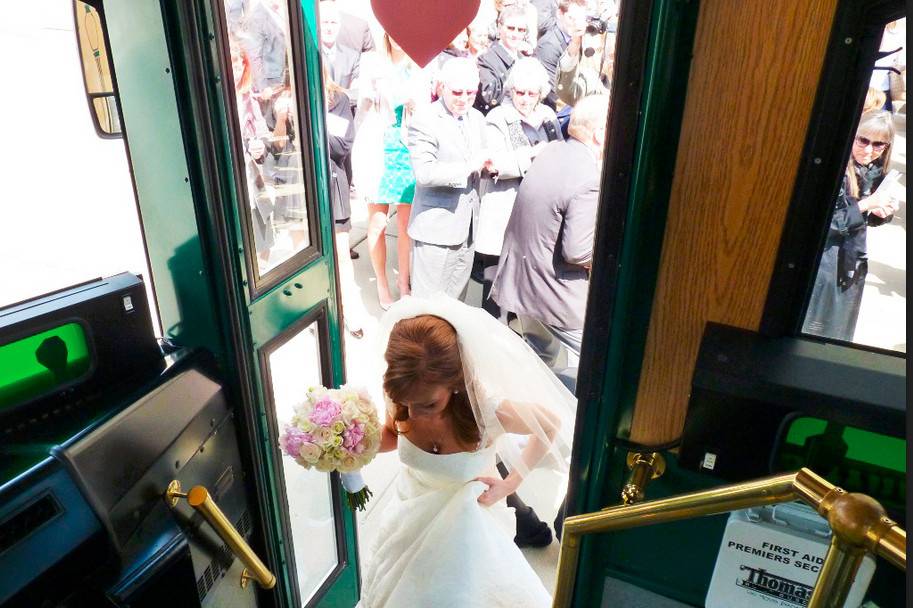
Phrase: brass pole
[812,488]
[199,499]
[766,491]
[567,568]
[837,575]
[644,468]
[770,490]
[858,522]
[202,502]
[893,546]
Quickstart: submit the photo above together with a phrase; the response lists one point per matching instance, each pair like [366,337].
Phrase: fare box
[771,557]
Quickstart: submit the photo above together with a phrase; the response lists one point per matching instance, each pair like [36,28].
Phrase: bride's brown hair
[424,350]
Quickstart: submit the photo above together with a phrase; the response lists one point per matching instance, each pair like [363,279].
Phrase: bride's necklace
[403,428]
[435,446]
[434,439]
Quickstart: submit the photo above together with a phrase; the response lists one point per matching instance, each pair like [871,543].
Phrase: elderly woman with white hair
[516,131]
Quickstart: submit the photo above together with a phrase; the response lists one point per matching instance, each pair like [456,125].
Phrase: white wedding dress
[437,547]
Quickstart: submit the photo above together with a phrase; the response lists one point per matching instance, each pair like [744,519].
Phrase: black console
[96,421]
[94,516]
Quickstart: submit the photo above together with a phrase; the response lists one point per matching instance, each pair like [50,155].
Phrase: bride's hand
[497,489]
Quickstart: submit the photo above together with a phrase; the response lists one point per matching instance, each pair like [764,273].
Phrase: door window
[277,217]
[292,364]
[859,293]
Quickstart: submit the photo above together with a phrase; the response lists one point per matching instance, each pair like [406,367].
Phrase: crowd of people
[490,158]
[520,95]
[443,147]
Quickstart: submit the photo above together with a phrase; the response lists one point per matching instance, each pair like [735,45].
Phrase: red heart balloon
[424,28]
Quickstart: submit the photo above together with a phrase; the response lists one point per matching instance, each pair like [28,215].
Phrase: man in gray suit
[446,146]
[355,33]
[543,274]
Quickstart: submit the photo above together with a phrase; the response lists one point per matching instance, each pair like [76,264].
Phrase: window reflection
[261,62]
[860,288]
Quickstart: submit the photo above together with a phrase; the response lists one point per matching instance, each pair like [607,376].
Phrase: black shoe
[477,273]
[559,519]
[354,254]
[532,531]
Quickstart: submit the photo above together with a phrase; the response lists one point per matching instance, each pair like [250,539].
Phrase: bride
[462,390]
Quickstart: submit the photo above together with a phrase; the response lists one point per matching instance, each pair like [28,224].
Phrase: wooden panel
[752,85]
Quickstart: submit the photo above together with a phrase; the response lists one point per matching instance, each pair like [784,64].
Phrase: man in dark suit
[545,14]
[500,56]
[265,43]
[571,21]
[543,274]
[352,33]
[342,61]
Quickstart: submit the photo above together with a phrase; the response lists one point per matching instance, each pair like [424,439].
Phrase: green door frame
[655,41]
[182,159]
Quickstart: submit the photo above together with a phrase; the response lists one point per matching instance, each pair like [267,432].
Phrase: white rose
[322,435]
[349,464]
[324,466]
[310,452]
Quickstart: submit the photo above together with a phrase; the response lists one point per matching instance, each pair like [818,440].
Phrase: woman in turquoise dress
[394,93]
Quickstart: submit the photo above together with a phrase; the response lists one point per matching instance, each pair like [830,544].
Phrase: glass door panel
[292,363]
[274,127]
[277,214]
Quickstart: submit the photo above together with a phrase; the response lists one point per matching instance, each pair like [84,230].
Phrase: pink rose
[325,412]
[292,439]
[353,435]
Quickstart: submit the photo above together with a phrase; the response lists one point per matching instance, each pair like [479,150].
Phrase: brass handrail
[858,522]
[198,497]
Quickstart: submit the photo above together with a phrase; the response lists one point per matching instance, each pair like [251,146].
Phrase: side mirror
[96,70]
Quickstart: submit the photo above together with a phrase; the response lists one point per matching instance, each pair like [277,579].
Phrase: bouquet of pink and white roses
[335,430]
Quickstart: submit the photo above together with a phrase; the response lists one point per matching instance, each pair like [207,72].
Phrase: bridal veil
[500,369]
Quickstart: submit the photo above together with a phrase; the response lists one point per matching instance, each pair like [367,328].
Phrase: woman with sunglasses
[516,131]
[837,294]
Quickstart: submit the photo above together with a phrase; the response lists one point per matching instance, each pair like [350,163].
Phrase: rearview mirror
[96,70]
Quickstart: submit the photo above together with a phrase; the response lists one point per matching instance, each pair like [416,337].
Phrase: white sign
[771,556]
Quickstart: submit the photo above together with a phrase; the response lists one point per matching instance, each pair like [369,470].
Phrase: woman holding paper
[865,199]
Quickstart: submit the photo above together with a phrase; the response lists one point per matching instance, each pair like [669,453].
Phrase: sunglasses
[461,93]
[514,28]
[864,142]
[520,93]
